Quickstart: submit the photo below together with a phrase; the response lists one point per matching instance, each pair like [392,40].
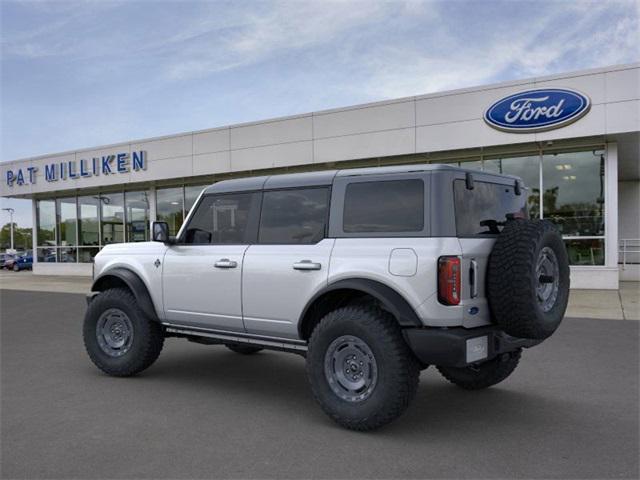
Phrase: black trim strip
[239,337]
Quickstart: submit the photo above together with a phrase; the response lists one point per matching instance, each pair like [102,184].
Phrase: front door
[290,262]
[202,273]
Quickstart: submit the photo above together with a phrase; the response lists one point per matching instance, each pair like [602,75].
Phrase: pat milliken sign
[117,163]
[537,110]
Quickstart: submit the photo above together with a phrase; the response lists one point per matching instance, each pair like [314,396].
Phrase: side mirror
[160,232]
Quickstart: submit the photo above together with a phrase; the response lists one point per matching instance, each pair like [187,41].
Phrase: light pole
[11,212]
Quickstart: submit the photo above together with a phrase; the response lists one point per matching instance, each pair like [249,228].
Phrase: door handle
[473,278]
[306,265]
[225,263]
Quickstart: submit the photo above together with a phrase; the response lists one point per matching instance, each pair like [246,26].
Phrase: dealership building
[573,138]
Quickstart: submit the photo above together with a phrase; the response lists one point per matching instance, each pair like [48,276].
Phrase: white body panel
[274,293]
[140,258]
[388,261]
[475,250]
[197,292]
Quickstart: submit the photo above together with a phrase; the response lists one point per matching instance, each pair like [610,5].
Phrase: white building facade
[574,139]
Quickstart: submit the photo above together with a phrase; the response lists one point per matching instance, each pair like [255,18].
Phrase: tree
[22,237]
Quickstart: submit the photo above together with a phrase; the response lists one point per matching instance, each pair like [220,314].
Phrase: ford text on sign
[537,110]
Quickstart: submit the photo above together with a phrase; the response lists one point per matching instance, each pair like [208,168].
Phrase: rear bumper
[460,347]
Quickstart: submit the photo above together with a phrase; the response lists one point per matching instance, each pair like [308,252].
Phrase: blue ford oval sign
[537,110]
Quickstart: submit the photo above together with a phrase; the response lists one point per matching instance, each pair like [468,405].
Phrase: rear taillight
[449,280]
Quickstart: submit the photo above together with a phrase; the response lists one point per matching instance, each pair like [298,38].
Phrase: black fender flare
[135,284]
[391,300]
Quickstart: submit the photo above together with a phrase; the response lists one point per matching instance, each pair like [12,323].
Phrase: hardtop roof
[326,177]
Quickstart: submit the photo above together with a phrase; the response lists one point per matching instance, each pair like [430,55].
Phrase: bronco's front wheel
[360,369]
[120,340]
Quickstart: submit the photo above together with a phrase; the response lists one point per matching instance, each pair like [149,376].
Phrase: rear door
[290,262]
[480,214]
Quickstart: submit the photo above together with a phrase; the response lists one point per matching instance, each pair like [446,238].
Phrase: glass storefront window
[137,216]
[585,252]
[190,196]
[47,254]
[169,208]
[574,192]
[112,219]
[472,165]
[527,168]
[46,219]
[67,255]
[74,229]
[85,254]
[88,220]
[67,212]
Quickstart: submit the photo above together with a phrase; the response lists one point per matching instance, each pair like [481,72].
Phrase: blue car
[24,262]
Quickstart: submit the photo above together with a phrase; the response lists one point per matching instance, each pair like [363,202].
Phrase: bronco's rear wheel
[360,369]
[528,279]
[118,337]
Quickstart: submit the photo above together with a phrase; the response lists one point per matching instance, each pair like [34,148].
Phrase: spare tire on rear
[528,279]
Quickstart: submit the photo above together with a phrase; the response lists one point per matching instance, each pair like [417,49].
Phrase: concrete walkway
[26,280]
[620,304]
[623,304]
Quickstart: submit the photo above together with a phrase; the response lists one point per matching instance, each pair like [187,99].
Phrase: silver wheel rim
[548,279]
[350,368]
[114,332]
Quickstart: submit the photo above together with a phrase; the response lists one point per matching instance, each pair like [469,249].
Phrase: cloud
[100,72]
[287,26]
[526,47]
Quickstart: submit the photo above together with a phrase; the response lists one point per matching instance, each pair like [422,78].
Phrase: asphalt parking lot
[569,411]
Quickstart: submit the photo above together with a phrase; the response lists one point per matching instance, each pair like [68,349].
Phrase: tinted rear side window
[481,210]
[385,206]
[294,216]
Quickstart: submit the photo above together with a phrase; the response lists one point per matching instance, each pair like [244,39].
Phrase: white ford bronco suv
[371,274]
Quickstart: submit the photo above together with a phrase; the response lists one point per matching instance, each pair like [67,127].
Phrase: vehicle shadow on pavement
[278,380]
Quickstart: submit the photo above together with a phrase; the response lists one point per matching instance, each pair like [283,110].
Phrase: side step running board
[274,343]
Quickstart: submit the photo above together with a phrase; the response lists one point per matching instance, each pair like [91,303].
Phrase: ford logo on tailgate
[537,110]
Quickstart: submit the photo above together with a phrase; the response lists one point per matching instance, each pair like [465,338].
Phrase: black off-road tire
[243,349]
[512,280]
[484,375]
[147,340]
[398,370]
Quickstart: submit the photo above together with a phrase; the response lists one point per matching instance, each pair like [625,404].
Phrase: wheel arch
[121,277]
[346,291]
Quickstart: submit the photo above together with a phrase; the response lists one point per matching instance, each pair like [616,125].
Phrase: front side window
[295,216]
[483,210]
[191,194]
[385,206]
[223,219]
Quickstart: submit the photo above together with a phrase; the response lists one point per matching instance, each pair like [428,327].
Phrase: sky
[86,73]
